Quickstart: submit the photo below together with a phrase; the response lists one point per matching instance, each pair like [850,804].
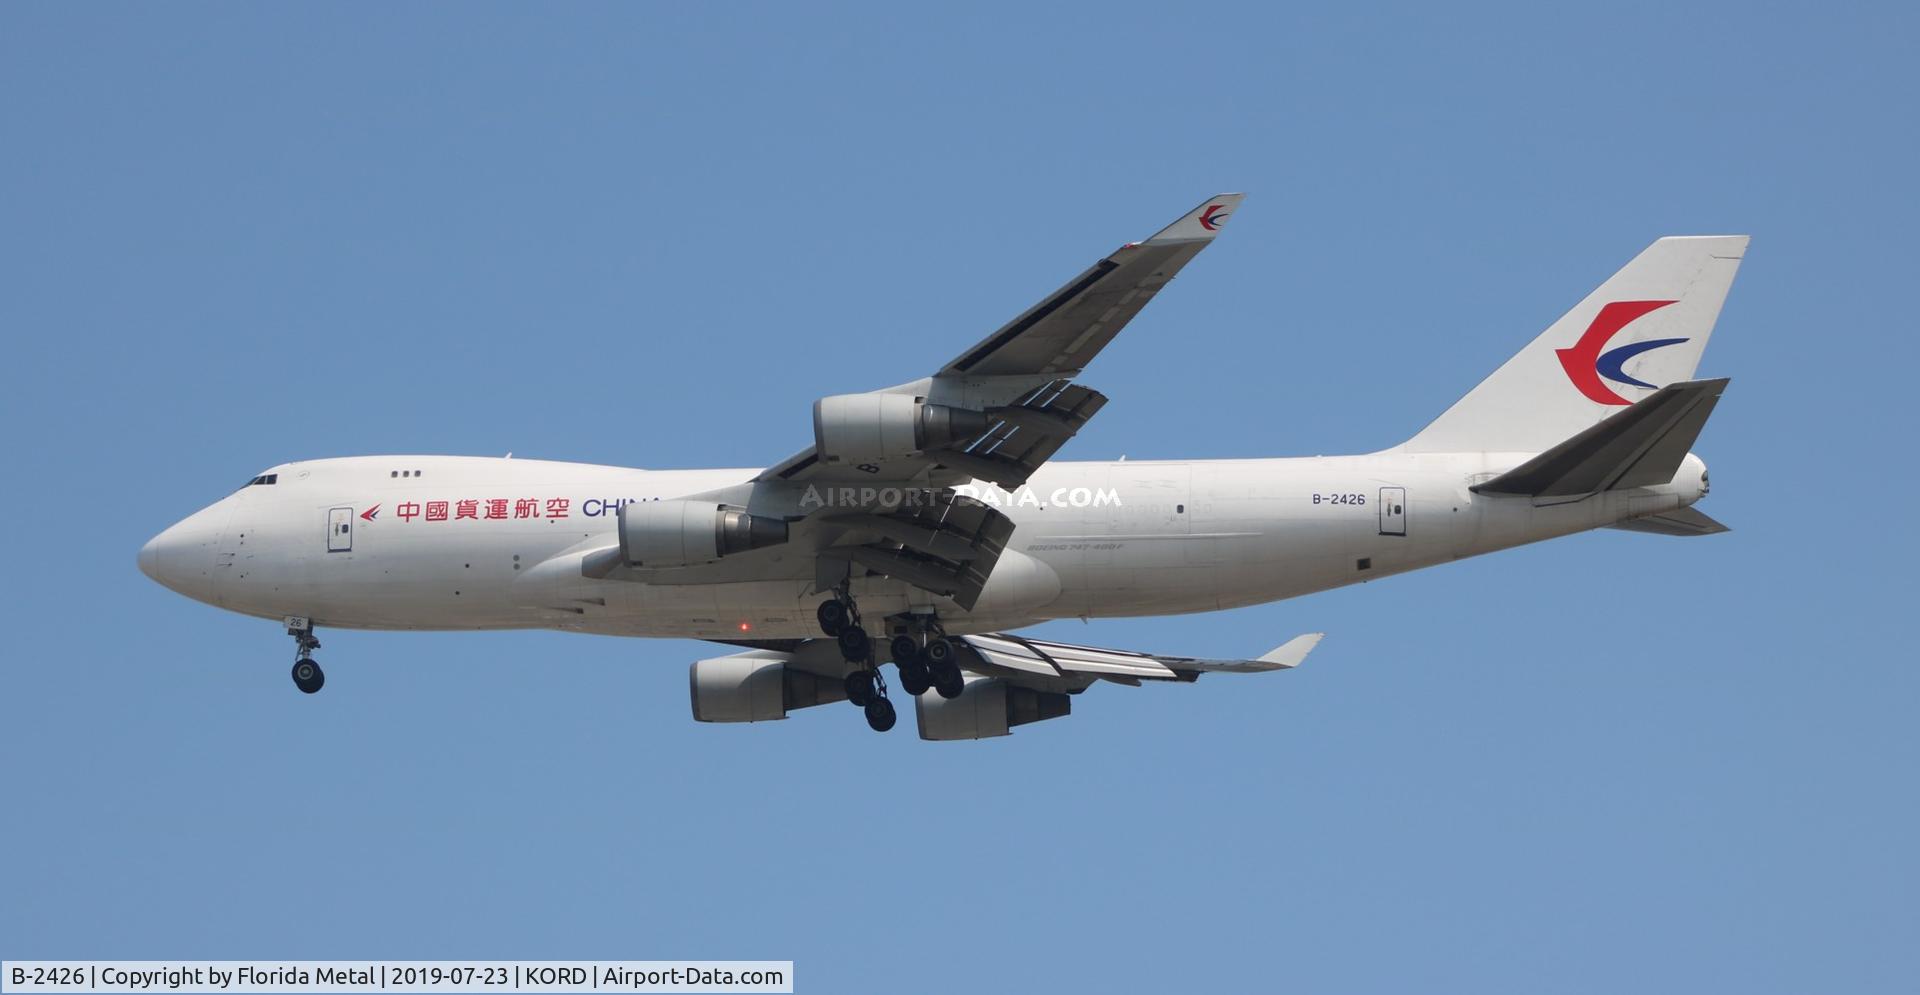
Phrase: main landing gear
[307,675]
[840,619]
[926,659]
[924,656]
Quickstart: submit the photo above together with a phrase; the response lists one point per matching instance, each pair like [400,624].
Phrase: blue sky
[651,235]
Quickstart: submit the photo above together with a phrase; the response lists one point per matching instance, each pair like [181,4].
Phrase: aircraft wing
[1009,680]
[1015,657]
[1062,334]
[1014,388]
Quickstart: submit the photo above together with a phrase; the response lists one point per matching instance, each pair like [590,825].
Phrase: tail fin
[1643,329]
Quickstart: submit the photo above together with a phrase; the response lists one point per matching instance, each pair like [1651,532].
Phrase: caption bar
[76,977]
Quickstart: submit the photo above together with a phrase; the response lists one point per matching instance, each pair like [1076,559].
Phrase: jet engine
[869,428]
[685,533]
[987,707]
[756,686]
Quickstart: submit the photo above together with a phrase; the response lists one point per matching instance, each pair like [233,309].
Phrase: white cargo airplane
[926,521]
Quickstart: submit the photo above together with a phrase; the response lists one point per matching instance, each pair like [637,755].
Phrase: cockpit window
[265,478]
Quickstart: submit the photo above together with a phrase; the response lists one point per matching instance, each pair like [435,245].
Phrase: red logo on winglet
[1211,219]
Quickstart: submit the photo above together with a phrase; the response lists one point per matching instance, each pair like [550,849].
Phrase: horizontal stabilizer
[1641,446]
[1684,522]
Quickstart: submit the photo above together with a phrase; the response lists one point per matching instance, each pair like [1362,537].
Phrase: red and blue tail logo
[1585,363]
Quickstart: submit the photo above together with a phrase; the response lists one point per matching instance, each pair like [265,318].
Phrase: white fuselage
[437,542]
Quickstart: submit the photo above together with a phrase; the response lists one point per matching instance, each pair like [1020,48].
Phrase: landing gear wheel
[914,676]
[308,677]
[880,714]
[832,615]
[854,644]
[947,679]
[905,648]
[939,653]
[861,688]
[866,688]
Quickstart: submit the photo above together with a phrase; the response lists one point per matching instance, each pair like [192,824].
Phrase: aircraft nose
[183,557]
[150,558]
[165,557]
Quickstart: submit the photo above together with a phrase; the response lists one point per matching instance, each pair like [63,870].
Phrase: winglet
[1291,653]
[1202,223]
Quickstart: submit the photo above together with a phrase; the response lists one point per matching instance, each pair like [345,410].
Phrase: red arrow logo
[1582,361]
[368,514]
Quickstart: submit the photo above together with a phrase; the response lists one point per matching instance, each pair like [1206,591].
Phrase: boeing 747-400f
[926,522]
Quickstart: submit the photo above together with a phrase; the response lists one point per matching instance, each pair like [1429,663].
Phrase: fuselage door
[1393,511]
[340,530]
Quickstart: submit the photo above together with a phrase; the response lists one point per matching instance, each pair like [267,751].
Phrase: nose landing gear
[307,675]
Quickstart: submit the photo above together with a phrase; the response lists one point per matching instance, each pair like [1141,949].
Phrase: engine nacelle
[871,428]
[987,707]
[756,686]
[685,533]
